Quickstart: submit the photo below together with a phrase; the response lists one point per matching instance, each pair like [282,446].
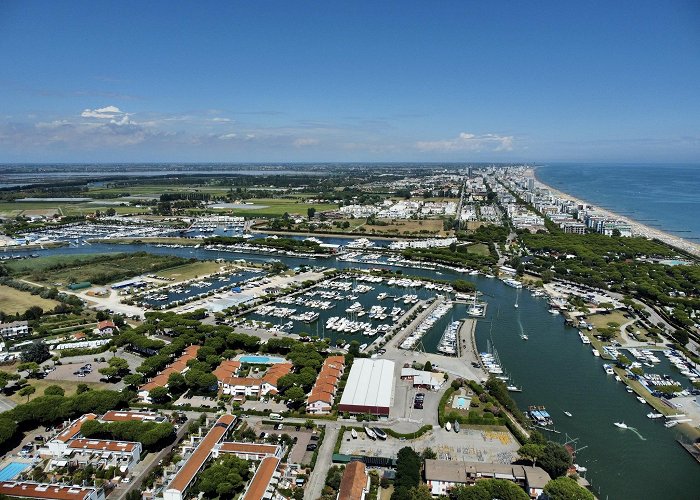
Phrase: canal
[555,370]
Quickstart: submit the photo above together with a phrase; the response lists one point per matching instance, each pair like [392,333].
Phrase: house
[355,482]
[161,380]
[29,489]
[59,444]
[106,327]
[443,475]
[423,379]
[14,329]
[322,395]
[251,386]
[83,452]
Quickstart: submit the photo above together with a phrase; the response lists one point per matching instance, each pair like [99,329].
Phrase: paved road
[144,468]
[323,463]
[6,403]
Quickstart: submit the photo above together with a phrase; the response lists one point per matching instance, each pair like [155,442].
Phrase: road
[6,404]
[142,469]
[323,463]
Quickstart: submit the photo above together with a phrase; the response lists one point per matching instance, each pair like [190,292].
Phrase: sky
[258,81]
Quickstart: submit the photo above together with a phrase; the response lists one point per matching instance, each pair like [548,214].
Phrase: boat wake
[637,433]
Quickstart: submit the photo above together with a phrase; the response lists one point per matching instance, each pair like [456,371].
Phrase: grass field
[39,264]
[70,386]
[601,320]
[189,271]
[479,249]
[15,301]
[272,207]
[36,207]
[95,269]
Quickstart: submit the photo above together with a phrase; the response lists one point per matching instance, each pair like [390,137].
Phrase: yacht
[641,400]
[568,413]
[670,423]
[621,425]
[353,433]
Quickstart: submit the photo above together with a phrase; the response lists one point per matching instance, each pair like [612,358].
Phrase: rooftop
[42,490]
[354,481]
[261,479]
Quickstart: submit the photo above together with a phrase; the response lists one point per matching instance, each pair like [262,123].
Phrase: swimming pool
[460,402]
[260,360]
[12,470]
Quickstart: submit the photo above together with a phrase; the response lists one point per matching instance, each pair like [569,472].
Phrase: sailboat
[353,433]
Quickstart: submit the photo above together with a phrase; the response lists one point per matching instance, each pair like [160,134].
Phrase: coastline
[638,229]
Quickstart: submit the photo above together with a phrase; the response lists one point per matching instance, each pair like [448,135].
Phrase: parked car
[311,447]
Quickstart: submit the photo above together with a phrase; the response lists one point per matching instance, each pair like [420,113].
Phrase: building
[82,452]
[50,491]
[369,388]
[355,482]
[58,446]
[261,486]
[248,451]
[195,463]
[125,416]
[322,395]
[161,380]
[423,379]
[443,475]
[249,386]
[14,329]
[106,327]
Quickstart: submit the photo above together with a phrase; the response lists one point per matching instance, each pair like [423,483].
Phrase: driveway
[323,463]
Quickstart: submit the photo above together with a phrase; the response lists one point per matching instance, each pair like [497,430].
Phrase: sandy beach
[638,228]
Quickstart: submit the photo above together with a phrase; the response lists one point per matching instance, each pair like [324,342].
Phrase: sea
[662,196]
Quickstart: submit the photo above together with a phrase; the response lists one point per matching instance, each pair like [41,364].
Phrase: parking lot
[469,444]
[404,395]
[67,372]
[299,453]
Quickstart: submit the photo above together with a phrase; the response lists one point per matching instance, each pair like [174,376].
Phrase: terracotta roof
[242,381]
[106,324]
[226,369]
[49,491]
[261,479]
[102,444]
[200,455]
[179,365]
[276,372]
[74,428]
[354,481]
[325,387]
[235,447]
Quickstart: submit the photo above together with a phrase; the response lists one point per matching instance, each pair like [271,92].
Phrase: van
[275,416]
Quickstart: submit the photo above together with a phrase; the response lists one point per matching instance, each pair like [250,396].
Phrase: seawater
[666,197]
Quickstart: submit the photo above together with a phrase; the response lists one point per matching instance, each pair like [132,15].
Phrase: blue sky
[349,81]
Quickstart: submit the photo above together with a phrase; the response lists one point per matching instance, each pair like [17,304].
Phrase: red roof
[354,481]
[48,491]
[74,428]
[179,365]
[102,445]
[261,479]
[106,324]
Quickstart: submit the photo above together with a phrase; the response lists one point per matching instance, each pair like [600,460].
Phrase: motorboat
[379,433]
[653,415]
[448,426]
[641,399]
[370,433]
[353,433]
[456,426]
[568,413]
[621,425]
[671,423]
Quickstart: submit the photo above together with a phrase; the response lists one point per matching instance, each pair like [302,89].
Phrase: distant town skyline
[363,81]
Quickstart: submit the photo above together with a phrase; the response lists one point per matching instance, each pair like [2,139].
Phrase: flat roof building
[29,489]
[369,388]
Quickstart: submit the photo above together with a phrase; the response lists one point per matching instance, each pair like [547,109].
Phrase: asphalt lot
[65,371]
[298,455]
[468,444]
[404,395]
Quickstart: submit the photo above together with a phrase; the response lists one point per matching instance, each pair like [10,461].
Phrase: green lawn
[479,249]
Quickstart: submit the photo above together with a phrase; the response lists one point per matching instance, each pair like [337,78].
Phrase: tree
[30,367]
[54,390]
[487,489]
[224,477]
[531,452]
[176,383]
[311,211]
[38,352]
[33,313]
[565,488]
[555,459]
[27,390]
[295,395]
[133,379]
[82,388]
[428,366]
[5,378]
[158,394]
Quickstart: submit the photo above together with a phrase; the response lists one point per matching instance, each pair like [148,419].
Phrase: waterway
[555,370]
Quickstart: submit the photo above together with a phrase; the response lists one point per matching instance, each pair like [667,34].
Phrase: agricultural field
[48,208]
[15,301]
[100,270]
[479,249]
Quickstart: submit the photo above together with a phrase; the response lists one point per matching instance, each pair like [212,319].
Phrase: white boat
[653,415]
[670,423]
[516,306]
[380,433]
[595,352]
[629,389]
[456,426]
[617,378]
[568,413]
[353,433]
[370,433]
[641,399]
[448,426]
[524,337]
[554,311]
[621,425]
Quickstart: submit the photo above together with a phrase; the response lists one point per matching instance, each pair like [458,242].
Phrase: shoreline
[638,229]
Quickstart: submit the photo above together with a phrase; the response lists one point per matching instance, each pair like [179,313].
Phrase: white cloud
[232,135]
[469,142]
[106,112]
